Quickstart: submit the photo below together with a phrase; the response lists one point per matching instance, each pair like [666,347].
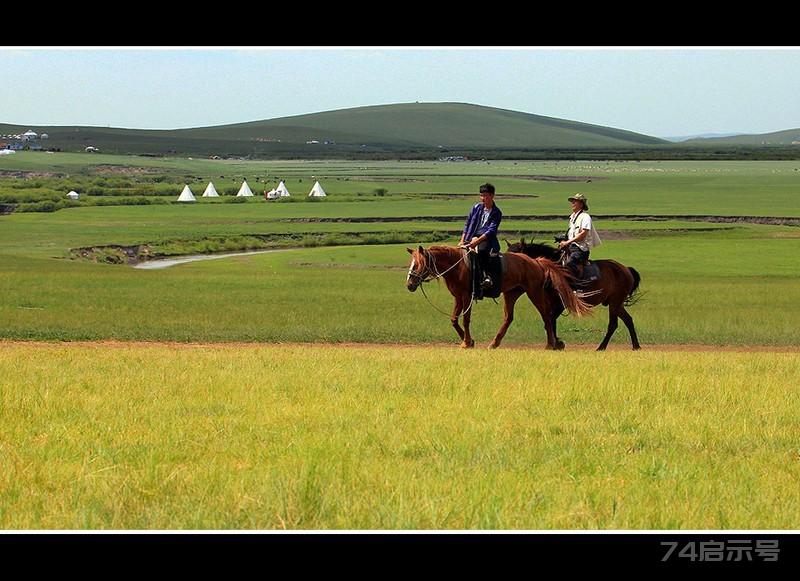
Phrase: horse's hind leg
[509,299]
[612,326]
[557,310]
[545,309]
[628,320]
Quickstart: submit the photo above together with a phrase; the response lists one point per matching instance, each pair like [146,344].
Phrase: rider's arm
[579,236]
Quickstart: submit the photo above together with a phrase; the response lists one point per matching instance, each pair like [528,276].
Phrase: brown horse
[614,289]
[545,283]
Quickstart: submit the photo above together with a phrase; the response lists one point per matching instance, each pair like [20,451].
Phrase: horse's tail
[559,276]
[631,299]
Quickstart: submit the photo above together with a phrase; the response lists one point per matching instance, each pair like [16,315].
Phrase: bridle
[428,275]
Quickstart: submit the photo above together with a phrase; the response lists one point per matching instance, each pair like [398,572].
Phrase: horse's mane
[535,250]
[423,256]
[444,247]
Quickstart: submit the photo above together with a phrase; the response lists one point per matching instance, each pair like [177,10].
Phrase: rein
[440,275]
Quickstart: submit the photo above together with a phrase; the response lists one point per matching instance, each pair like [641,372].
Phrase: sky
[663,92]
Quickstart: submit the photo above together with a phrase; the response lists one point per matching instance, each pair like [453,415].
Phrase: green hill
[400,127]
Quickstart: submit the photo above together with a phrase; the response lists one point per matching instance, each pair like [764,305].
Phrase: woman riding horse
[614,289]
[545,283]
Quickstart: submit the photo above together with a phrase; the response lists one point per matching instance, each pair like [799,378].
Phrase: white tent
[73,195]
[273,194]
[244,190]
[7,152]
[317,191]
[211,191]
[281,189]
[186,195]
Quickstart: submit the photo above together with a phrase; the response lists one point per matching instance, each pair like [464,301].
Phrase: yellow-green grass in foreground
[323,437]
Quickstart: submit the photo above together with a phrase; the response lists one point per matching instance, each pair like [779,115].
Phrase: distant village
[30,140]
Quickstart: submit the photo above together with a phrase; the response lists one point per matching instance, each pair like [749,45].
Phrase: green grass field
[732,188]
[241,408]
[719,288]
[320,437]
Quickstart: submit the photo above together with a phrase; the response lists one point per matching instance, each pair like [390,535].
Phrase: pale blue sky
[660,92]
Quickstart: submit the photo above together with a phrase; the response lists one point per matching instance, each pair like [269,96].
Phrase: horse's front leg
[457,307]
[468,342]
[509,299]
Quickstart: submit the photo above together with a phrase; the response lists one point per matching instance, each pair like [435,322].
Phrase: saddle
[497,268]
[588,272]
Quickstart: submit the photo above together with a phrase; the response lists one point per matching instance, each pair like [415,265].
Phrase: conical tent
[211,191]
[244,190]
[317,191]
[186,195]
[281,189]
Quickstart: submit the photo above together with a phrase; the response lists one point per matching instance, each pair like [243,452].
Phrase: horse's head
[419,270]
[517,246]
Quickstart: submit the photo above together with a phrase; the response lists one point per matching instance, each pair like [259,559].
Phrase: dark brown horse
[614,289]
[545,283]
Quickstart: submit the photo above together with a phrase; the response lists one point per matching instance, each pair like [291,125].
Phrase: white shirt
[582,221]
[485,217]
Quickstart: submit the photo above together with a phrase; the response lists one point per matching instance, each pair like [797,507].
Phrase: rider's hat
[580,198]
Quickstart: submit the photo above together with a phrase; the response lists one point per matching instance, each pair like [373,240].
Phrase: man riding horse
[480,233]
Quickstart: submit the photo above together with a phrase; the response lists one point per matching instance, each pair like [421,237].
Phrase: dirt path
[582,347]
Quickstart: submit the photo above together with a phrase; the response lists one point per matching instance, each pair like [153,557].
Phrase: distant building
[91,149]
[44,136]
[30,136]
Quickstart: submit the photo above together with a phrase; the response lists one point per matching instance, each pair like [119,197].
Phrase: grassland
[424,188]
[695,293]
[315,437]
[737,282]
[308,389]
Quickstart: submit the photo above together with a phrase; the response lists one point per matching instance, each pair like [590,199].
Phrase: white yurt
[317,191]
[282,191]
[73,195]
[244,190]
[211,191]
[186,195]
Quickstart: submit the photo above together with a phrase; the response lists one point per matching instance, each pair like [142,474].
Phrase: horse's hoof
[601,348]
[560,345]
[493,345]
[637,347]
[465,345]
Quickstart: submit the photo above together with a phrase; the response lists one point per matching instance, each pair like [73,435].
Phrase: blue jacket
[473,227]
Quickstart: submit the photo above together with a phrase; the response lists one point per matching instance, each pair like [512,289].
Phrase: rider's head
[579,202]
[487,193]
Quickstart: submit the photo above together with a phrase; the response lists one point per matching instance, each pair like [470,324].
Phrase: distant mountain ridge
[785,137]
[387,127]
[702,136]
